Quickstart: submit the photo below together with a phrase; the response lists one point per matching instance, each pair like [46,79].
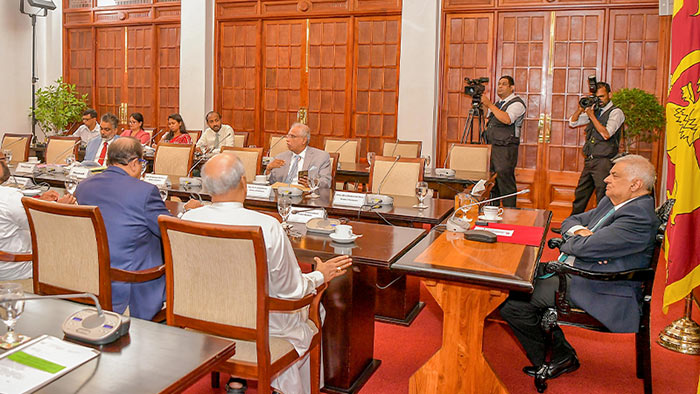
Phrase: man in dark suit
[130,209]
[286,166]
[617,235]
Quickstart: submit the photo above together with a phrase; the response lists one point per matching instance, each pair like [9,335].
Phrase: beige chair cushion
[279,147]
[58,150]
[214,271]
[406,150]
[470,158]
[348,152]
[18,145]
[239,140]
[401,180]
[172,160]
[249,160]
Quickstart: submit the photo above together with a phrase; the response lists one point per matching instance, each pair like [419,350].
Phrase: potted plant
[644,116]
[57,106]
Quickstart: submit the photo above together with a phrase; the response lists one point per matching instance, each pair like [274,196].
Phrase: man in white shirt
[224,177]
[96,150]
[14,227]
[286,166]
[216,135]
[90,128]
[503,133]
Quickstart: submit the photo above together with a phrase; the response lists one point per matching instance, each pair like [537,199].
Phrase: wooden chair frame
[358,143]
[335,157]
[179,146]
[391,159]
[245,135]
[418,143]
[258,162]
[264,371]
[195,135]
[76,147]
[27,145]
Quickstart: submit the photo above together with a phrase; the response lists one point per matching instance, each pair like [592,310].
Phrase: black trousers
[503,162]
[523,313]
[595,170]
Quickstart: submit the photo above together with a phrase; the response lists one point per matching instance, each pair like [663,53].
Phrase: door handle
[548,129]
[540,129]
[123,110]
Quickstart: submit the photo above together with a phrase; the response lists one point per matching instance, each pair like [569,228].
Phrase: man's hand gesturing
[336,266]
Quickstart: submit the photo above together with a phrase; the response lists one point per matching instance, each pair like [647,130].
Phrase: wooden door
[139,73]
[80,63]
[110,62]
[168,76]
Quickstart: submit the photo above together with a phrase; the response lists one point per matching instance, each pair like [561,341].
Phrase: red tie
[101,161]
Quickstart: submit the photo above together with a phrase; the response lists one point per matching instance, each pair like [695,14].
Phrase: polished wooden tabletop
[448,256]
[152,358]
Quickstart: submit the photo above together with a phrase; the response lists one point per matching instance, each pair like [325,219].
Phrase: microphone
[273,145]
[150,141]
[461,225]
[220,141]
[379,189]
[341,145]
[20,139]
[195,165]
[396,145]
[449,152]
[377,198]
[69,148]
[65,297]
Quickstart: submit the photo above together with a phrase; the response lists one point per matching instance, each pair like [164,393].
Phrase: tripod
[474,112]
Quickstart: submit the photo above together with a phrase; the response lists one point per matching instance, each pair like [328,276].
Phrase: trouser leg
[503,162]
[601,170]
[584,189]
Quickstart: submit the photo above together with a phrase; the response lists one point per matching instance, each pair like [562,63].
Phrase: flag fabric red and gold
[682,246]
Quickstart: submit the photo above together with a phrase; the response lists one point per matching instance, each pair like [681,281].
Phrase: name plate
[25,168]
[260,191]
[498,231]
[79,172]
[349,199]
[303,215]
[158,180]
[19,181]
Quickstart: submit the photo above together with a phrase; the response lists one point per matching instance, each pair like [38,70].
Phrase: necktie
[216,140]
[499,104]
[101,160]
[293,169]
[598,112]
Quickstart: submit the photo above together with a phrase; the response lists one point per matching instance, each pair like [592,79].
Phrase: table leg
[399,303]
[459,366]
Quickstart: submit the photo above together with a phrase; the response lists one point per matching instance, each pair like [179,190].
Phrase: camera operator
[503,133]
[603,122]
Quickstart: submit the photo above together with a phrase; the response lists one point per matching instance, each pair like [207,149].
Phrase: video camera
[475,88]
[592,100]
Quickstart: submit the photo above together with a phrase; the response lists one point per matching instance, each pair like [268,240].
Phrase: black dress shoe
[556,230]
[531,370]
[554,369]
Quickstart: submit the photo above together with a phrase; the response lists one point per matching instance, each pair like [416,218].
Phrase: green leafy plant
[644,116]
[57,106]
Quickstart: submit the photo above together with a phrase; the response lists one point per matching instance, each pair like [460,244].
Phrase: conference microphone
[274,145]
[449,152]
[341,146]
[461,225]
[444,171]
[195,165]
[150,141]
[97,327]
[216,146]
[69,148]
[396,145]
[378,198]
[20,139]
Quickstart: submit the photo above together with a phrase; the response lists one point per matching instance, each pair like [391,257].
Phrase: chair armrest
[119,275]
[642,274]
[555,243]
[6,256]
[314,300]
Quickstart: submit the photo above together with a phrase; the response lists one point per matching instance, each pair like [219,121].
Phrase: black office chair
[571,316]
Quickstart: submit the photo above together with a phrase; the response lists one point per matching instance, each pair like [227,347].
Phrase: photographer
[604,123]
[503,133]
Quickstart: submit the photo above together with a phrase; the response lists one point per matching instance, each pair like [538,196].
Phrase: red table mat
[523,235]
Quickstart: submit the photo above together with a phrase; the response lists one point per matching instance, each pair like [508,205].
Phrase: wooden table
[469,280]
[152,358]
[348,331]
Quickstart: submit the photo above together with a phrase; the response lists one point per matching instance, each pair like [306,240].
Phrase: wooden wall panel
[110,73]
[237,74]
[80,61]
[168,72]
[376,76]
[139,71]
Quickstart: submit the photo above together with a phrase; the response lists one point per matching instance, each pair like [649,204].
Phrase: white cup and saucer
[491,214]
[343,234]
[260,180]
[33,160]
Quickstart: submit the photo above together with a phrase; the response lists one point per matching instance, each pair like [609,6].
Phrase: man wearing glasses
[130,209]
[300,157]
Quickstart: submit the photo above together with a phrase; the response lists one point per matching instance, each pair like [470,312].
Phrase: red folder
[523,235]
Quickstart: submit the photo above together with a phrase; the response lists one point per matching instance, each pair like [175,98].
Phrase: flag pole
[682,335]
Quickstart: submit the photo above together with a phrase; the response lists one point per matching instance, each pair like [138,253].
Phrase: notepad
[40,361]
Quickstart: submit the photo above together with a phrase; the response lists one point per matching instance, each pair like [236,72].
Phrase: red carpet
[607,360]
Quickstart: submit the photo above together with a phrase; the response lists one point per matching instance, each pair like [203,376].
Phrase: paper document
[499,232]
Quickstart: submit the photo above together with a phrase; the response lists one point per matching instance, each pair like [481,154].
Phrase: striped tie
[293,169]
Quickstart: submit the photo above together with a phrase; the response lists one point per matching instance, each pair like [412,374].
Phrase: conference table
[348,330]
[469,280]
[152,358]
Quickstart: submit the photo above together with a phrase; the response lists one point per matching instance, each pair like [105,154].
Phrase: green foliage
[57,106]
[644,116]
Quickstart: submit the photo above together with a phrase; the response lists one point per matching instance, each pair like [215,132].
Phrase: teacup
[343,231]
[260,179]
[33,159]
[492,213]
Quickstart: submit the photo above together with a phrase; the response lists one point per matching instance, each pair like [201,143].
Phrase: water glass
[70,159]
[71,184]
[284,207]
[370,158]
[10,309]
[163,193]
[421,193]
[8,156]
[314,182]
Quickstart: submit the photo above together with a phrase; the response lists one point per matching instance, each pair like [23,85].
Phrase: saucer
[483,217]
[343,240]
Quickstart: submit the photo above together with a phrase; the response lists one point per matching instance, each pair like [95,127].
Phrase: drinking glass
[426,158]
[70,159]
[421,193]
[314,182]
[10,309]
[8,156]
[71,184]
[163,193]
[284,207]
[370,159]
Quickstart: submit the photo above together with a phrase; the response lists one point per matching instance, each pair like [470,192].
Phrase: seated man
[90,129]
[617,235]
[216,135]
[14,228]
[130,209]
[300,156]
[96,149]
[224,177]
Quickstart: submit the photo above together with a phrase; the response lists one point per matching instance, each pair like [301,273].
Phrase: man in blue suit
[617,235]
[96,149]
[130,209]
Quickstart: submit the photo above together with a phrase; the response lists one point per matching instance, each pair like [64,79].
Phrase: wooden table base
[459,366]
[399,302]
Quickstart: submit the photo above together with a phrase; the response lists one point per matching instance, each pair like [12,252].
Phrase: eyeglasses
[292,136]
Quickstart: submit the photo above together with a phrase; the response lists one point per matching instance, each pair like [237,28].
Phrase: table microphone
[396,145]
[377,197]
[19,139]
[150,141]
[461,225]
[69,148]
[341,146]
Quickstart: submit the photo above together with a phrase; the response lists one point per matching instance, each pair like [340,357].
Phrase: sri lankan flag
[682,247]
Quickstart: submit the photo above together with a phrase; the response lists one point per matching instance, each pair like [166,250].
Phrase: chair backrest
[400,180]
[194,135]
[276,146]
[240,139]
[19,145]
[150,134]
[408,149]
[173,159]
[58,148]
[70,249]
[251,158]
[216,278]
[348,148]
[470,157]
